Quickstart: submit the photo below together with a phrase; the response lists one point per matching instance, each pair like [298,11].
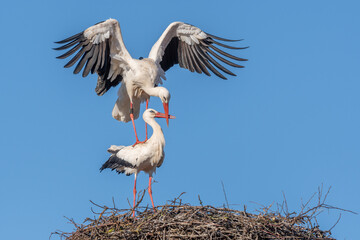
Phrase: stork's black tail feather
[116,163]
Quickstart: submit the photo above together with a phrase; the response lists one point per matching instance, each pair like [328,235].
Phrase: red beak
[163,115]
[166,109]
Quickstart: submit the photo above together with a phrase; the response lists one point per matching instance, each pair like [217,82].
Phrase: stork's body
[102,50]
[139,83]
[144,157]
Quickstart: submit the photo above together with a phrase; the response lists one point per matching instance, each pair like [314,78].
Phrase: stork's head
[151,113]
[164,96]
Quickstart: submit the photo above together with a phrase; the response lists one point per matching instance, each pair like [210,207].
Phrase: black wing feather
[98,61]
[210,40]
[70,52]
[170,56]
[222,68]
[188,57]
[79,54]
[224,60]
[223,39]
[95,57]
[103,83]
[70,38]
[91,61]
[116,163]
[184,58]
[198,59]
[70,44]
[88,54]
[193,59]
[226,54]
[199,56]
[103,47]
[207,64]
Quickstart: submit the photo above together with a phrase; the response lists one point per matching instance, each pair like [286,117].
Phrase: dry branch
[177,220]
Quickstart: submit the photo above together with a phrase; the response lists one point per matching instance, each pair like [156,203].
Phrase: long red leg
[147,105]
[150,192]
[134,191]
[132,119]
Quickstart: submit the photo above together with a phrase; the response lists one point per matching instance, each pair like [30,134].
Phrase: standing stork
[102,50]
[142,157]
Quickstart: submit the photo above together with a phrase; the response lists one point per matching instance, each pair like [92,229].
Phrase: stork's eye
[164,98]
[152,111]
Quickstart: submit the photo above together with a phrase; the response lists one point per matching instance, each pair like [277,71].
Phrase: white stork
[102,50]
[142,157]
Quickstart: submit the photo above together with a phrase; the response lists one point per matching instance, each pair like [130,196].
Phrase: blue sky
[288,122]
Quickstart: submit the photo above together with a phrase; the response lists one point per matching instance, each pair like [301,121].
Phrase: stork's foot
[137,142]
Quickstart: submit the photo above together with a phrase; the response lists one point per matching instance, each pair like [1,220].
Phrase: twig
[227,203]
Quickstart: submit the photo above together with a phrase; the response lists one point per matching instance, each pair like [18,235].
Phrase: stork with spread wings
[101,49]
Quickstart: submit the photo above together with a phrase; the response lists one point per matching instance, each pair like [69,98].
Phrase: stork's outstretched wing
[102,49]
[192,49]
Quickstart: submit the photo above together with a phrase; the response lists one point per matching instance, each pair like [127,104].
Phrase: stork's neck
[152,91]
[157,135]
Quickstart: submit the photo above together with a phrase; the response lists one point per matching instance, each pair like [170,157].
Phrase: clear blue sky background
[288,122]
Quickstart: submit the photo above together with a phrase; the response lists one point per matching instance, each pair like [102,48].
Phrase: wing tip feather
[223,39]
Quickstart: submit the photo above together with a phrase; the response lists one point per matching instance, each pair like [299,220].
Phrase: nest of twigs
[177,220]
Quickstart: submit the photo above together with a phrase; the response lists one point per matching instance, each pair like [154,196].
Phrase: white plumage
[142,157]
[101,49]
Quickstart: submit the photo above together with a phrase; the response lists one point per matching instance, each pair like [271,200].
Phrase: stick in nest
[180,220]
